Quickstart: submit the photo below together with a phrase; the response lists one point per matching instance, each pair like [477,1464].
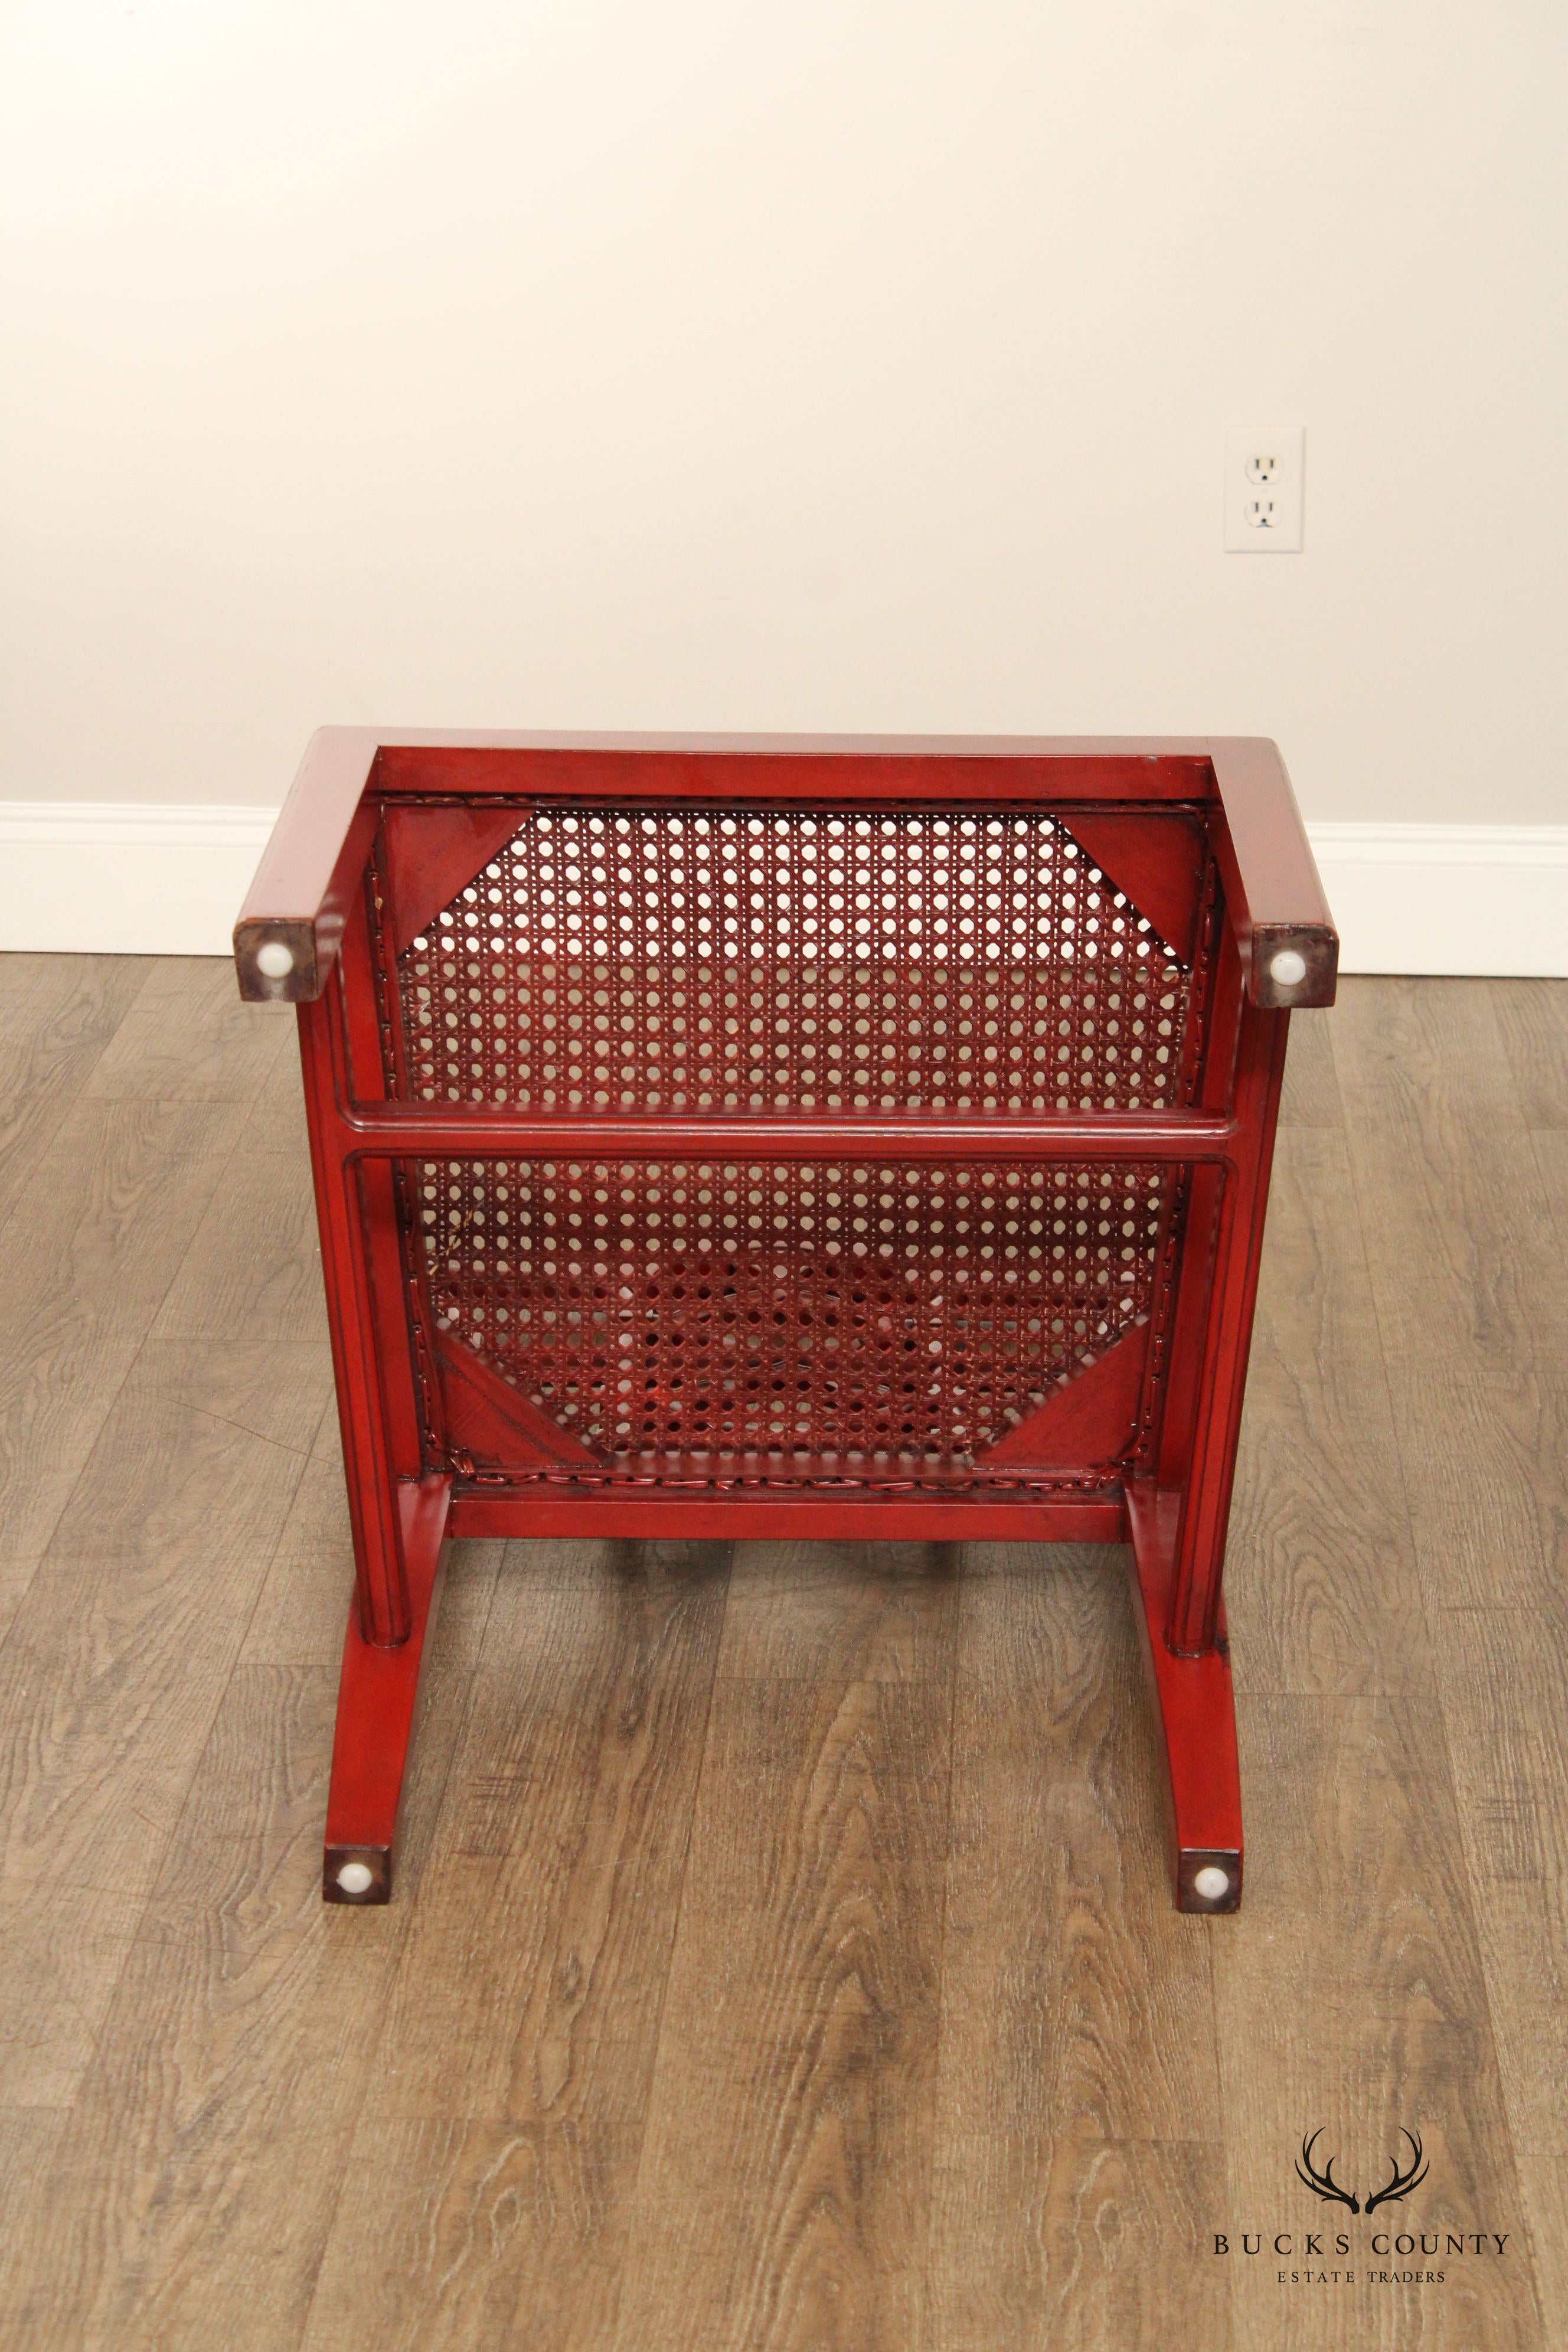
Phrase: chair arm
[1274,898]
[293,919]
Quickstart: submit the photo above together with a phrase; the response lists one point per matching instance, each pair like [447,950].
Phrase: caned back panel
[749,959]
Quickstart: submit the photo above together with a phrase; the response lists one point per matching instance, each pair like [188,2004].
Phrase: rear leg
[1198,1720]
[376,1698]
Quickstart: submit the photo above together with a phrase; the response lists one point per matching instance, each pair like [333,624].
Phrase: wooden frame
[307,935]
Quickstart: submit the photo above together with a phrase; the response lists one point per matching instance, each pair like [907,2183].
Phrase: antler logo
[1323,2184]
[1400,2184]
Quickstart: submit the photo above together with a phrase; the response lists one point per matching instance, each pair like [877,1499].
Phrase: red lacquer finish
[376,1695]
[1198,1713]
[770,1137]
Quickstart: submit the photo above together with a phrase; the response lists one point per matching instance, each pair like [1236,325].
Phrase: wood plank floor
[782,1955]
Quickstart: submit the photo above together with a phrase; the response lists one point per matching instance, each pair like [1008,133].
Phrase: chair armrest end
[1289,948]
[292,921]
[284,960]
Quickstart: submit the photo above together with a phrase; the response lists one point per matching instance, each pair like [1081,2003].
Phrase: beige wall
[782,363]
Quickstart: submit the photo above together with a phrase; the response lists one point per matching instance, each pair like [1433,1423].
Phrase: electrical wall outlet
[1264,469]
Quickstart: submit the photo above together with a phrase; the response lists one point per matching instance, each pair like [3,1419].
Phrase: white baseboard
[132,878]
[1484,898]
[152,878]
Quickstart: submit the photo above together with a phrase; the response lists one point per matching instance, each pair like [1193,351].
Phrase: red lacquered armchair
[771,1135]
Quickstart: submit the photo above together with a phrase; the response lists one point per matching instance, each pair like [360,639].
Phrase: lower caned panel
[866,1321]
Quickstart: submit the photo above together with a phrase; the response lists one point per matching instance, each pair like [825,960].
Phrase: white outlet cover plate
[1265,476]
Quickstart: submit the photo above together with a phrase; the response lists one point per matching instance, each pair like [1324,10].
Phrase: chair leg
[1197,1720]
[376,1714]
